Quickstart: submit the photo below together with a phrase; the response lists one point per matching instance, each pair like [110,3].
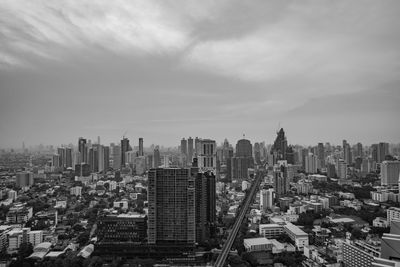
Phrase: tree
[83,238]
[25,249]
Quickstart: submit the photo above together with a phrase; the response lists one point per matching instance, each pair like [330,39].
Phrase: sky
[163,70]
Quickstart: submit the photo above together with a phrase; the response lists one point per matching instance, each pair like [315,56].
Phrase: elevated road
[236,226]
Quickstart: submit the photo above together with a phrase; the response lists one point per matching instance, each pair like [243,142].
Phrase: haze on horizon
[163,70]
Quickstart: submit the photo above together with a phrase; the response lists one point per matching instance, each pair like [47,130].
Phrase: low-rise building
[257,244]
[299,237]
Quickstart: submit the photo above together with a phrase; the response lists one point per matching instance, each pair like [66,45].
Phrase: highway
[231,238]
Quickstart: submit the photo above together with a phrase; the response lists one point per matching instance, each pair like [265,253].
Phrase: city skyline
[324,71]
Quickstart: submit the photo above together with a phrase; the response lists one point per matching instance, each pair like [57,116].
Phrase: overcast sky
[163,70]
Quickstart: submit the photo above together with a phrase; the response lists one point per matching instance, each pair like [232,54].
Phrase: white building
[393,213]
[271,230]
[266,199]
[390,171]
[257,244]
[380,222]
[76,191]
[299,237]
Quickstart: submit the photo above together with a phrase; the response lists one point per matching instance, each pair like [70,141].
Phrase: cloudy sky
[323,70]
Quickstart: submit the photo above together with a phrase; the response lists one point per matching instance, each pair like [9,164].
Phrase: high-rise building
[171,219]
[122,228]
[390,248]
[205,204]
[116,157]
[184,148]
[141,152]
[311,162]
[280,145]
[342,169]
[125,147]
[257,153]
[281,182]
[355,256]
[106,154]
[207,157]
[244,148]
[383,151]
[82,150]
[390,171]
[392,214]
[238,167]
[156,157]
[266,199]
[359,150]
[24,179]
[190,149]
[93,158]
[321,156]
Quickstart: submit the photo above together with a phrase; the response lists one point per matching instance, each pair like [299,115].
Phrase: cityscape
[201,203]
[145,133]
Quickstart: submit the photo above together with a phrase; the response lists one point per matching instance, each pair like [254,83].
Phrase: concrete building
[76,191]
[207,155]
[390,171]
[257,244]
[271,230]
[392,213]
[266,199]
[24,179]
[354,256]
[171,220]
[299,237]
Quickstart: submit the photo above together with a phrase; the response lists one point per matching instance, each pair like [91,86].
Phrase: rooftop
[294,229]
[257,241]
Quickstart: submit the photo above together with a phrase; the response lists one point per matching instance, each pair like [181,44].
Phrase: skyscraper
[125,147]
[141,152]
[190,149]
[390,171]
[383,151]
[207,157]
[205,204]
[321,156]
[280,145]
[244,148]
[117,157]
[171,219]
[266,199]
[156,157]
[184,149]
[82,150]
[281,182]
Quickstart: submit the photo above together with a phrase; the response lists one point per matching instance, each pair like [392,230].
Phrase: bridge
[246,203]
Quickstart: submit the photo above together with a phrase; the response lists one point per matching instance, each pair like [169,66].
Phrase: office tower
[304,154]
[290,155]
[93,158]
[68,157]
[321,155]
[141,152]
[374,152]
[82,150]
[342,169]
[24,179]
[184,146]
[359,150]
[157,157]
[239,167]
[106,156]
[117,157]
[207,157]
[281,183]
[266,199]
[100,163]
[56,161]
[205,210]
[125,147]
[61,154]
[390,171]
[257,153]
[171,219]
[280,145]
[244,148]
[383,151]
[140,165]
[311,162]
[190,149]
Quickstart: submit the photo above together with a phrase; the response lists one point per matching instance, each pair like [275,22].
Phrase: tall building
[207,157]
[311,162]
[190,149]
[93,158]
[244,148]
[171,219]
[156,157]
[141,152]
[359,150]
[117,163]
[321,155]
[205,204]
[82,150]
[238,167]
[392,214]
[184,149]
[125,147]
[355,256]
[106,154]
[383,151]
[342,169]
[390,171]
[257,153]
[280,145]
[281,182]
[122,228]
[266,199]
